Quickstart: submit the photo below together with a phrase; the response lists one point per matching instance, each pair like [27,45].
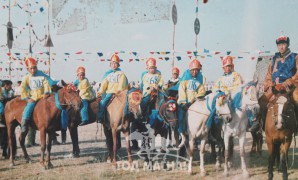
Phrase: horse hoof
[28,160]
[11,165]
[203,173]
[190,173]
[245,175]
[109,160]
[217,166]
[226,174]
[49,166]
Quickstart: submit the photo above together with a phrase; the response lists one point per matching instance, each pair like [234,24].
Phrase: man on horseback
[150,80]
[34,87]
[281,77]
[114,81]
[192,86]
[173,84]
[86,93]
[231,80]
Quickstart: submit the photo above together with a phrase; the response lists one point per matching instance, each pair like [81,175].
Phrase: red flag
[130,60]
[188,52]
[217,53]
[80,52]
[189,57]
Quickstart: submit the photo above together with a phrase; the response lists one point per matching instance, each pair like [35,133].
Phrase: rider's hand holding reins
[98,94]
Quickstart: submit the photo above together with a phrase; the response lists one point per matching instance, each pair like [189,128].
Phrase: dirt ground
[92,165]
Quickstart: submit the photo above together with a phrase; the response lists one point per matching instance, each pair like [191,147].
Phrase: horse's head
[68,96]
[282,111]
[222,108]
[134,101]
[168,111]
[250,102]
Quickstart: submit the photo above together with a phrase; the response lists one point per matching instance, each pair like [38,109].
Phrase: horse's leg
[242,154]
[259,143]
[11,141]
[202,150]
[22,138]
[75,141]
[114,134]
[270,157]
[49,146]
[284,158]
[254,143]
[42,146]
[163,149]
[109,142]
[126,135]
[191,147]
[176,135]
[226,141]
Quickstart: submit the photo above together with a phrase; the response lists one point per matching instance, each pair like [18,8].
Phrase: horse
[117,121]
[280,126]
[134,111]
[244,106]
[44,119]
[165,119]
[197,116]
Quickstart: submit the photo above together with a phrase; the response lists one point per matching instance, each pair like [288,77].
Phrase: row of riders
[281,78]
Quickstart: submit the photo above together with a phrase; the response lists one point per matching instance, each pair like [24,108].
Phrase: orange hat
[30,62]
[195,64]
[151,62]
[115,58]
[80,69]
[227,60]
[175,70]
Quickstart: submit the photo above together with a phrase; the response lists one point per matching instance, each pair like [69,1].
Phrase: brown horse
[133,98]
[45,118]
[279,128]
[117,121]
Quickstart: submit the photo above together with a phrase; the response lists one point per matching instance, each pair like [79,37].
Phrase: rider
[114,81]
[192,86]
[231,80]
[281,77]
[173,84]
[150,79]
[34,87]
[86,93]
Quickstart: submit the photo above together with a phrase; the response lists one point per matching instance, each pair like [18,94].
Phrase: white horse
[197,117]
[244,106]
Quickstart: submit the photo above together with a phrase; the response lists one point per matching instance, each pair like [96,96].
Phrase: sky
[245,28]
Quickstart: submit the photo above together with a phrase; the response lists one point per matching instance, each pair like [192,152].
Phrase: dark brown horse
[45,118]
[279,128]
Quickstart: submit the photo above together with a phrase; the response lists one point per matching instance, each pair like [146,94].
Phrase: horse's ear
[63,83]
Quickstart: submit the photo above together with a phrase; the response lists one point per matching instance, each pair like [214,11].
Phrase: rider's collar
[288,51]
[228,73]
